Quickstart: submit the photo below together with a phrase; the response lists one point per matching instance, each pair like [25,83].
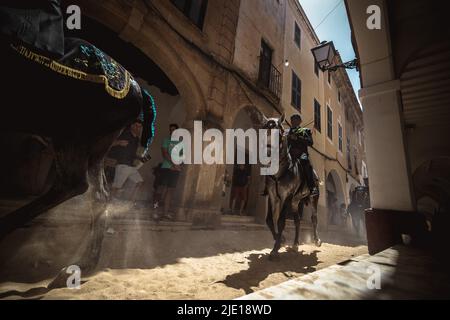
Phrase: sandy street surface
[138,263]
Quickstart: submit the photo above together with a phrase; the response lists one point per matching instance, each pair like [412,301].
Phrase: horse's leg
[98,198]
[71,181]
[279,238]
[314,221]
[297,215]
[269,220]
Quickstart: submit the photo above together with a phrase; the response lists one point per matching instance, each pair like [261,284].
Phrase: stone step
[236,218]
[405,273]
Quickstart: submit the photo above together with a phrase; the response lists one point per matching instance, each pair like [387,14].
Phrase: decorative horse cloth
[84,61]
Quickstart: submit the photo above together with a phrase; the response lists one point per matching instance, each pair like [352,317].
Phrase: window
[340,133]
[195,10]
[329,77]
[269,77]
[339,95]
[317,116]
[296,97]
[265,64]
[297,36]
[329,123]
[316,69]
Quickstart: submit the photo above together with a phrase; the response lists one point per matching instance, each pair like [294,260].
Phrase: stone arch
[136,24]
[432,180]
[152,42]
[245,118]
[250,111]
[335,196]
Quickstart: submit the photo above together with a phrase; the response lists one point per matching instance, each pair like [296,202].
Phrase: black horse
[80,102]
[288,192]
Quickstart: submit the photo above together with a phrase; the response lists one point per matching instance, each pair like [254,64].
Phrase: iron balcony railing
[269,77]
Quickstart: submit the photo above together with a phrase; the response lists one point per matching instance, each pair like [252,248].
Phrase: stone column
[388,166]
[391,191]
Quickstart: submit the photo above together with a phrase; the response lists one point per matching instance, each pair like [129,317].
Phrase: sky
[329,20]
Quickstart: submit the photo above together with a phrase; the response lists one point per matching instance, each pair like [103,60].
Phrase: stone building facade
[221,63]
[329,107]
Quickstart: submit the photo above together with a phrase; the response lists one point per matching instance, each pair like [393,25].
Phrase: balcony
[269,77]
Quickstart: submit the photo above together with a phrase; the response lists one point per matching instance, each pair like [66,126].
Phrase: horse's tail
[149,119]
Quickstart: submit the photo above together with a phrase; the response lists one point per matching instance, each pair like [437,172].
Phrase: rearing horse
[288,192]
[80,103]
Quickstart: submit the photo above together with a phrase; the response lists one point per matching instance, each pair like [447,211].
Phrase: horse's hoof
[318,243]
[295,248]
[274,256]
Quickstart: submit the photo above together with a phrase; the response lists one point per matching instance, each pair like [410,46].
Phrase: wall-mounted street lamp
[285,63]
[324,55]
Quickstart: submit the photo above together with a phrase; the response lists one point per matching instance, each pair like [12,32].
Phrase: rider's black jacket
[299,140]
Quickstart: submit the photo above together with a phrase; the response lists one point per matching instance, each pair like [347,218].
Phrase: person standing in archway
[124,151]
[169,172]
[239,191]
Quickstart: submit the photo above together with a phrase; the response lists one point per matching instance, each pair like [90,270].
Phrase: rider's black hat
[296,116]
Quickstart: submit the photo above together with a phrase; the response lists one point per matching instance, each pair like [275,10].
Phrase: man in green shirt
[170,172]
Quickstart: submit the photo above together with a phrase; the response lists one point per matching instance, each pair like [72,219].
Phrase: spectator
[156,186]
[124,151]
[169,173]
[239,189]
[343,214]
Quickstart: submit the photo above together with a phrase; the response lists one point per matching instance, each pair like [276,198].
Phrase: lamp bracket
[354,64]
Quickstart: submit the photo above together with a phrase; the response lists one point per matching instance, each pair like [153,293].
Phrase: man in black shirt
[124,151]
[239,189]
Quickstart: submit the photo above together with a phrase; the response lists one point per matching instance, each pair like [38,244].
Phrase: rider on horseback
[299,139]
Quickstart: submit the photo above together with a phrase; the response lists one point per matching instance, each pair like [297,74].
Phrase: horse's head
[273,123]
[270,124]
